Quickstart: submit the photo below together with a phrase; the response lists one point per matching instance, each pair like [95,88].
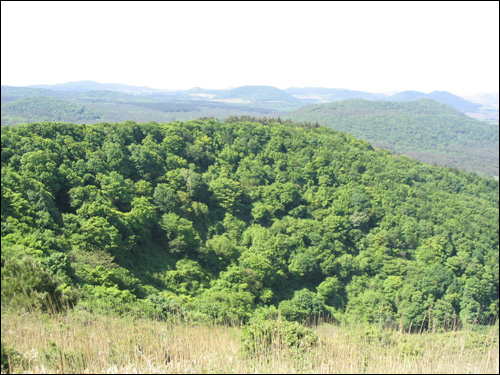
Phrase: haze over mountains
[257,93]
[293,94]
[93,85]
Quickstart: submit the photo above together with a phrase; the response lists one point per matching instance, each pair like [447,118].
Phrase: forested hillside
[42,108]
[424,129]
[214,220]
[27,105]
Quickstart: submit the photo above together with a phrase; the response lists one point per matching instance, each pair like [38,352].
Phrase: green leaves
[226,191]
[96,234]
[264,336]
[180,233]
[304,305]
[25,284]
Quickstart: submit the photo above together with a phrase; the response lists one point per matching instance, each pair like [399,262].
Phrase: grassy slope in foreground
[80,342]
[425,130]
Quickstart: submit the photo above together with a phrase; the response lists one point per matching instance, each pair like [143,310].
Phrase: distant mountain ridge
[32,104]
[199,102]
[257,93]
[443,97]
[93,85]
[270,93]
[491,98]
[331,95]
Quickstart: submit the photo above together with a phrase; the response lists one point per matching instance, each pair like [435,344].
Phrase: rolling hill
[425,129]
[461,142]
[257,94]
[42,108]
[442,97]
[25,105]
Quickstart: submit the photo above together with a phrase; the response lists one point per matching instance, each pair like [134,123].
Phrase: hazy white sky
[370,46]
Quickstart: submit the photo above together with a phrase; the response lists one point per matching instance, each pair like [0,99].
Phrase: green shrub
[304,306]
[9,359]
[25,284]
[266,336]
[169,308]
[55,357]
[225,307]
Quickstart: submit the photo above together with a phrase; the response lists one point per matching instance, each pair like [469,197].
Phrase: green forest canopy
[219,219]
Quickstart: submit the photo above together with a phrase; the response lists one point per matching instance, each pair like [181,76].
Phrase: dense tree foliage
[218,220]
[424,129]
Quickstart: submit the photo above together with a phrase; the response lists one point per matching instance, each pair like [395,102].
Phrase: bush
[223,307]
[304,306]
[25,284]
[167,308]
[267,336]
[10,358]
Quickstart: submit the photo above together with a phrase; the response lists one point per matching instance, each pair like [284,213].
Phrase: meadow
[83,342]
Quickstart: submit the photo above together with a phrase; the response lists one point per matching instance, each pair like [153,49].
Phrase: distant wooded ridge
[270,93]
[423,129]
[437,128]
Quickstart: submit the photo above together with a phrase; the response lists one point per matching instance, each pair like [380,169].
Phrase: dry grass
[79,342]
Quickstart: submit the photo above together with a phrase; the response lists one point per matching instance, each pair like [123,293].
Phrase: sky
[370,46]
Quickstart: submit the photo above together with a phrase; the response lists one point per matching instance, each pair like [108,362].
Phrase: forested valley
[223,219]
[256,222]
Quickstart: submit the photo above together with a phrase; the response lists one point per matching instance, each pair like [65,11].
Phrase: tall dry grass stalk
[79,342]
